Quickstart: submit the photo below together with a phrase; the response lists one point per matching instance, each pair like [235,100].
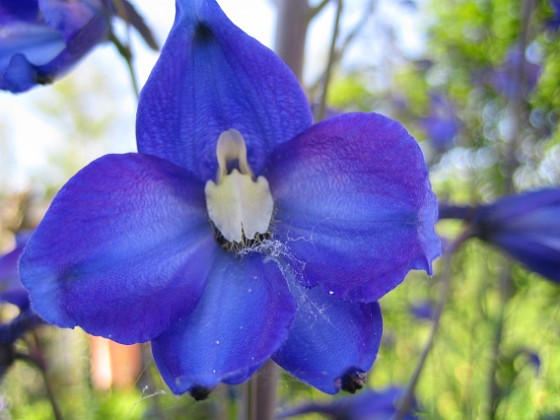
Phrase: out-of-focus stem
[124,51]
[38,361]
[328,71]
[291,32]
[262,393]
[445,293]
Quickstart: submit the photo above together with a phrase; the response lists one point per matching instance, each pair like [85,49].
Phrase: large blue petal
[123,251]
[332,342]
[211,77]
[354,205]
[38,51]
[243,317]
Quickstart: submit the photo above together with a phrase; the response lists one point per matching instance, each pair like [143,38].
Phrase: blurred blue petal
[11,289]
[243,316]
[212,77]
[441,125]
[554,22]
[356,226]
[368,405]
[505,80]
[527,227]
[41,40]
[123,251]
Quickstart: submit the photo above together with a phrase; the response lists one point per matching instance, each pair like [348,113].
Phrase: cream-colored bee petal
[231,147]
[239,207]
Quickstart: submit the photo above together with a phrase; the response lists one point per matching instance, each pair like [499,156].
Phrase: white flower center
[239,206]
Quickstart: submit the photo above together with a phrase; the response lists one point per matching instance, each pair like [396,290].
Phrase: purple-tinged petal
[526,227]
[243,317]
[332,343]
[353,203]
[123,251]
[367,405]
[11,289]
[212,77]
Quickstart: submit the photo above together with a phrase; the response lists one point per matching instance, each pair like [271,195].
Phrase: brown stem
[291,33]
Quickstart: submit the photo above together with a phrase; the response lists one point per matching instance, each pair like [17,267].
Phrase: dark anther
[203,32]
[200,393]
[43,79]
[353,380]
[6,357]
[235,247]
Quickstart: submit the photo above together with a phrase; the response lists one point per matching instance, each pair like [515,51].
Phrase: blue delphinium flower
[369,405]
[504,78]
[40,40]
[239,232]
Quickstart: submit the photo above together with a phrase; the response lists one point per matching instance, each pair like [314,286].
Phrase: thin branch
[124,51]
[348,39]
[317,9]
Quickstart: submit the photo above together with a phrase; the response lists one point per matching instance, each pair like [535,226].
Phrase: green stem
[124,51]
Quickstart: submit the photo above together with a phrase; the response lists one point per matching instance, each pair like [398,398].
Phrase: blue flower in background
[11,289]
[554,22]
[40,40]
[368,405]
[527,227]
[504,78]
[240,232]
[441,125]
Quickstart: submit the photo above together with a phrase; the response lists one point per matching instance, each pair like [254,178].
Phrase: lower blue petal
[123,251]
[353,204]
[243,317]
[330,339]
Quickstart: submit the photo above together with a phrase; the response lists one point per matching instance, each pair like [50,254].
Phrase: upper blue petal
[330,340]
[211,77]
[354,206]
[123,251]
[243,317]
